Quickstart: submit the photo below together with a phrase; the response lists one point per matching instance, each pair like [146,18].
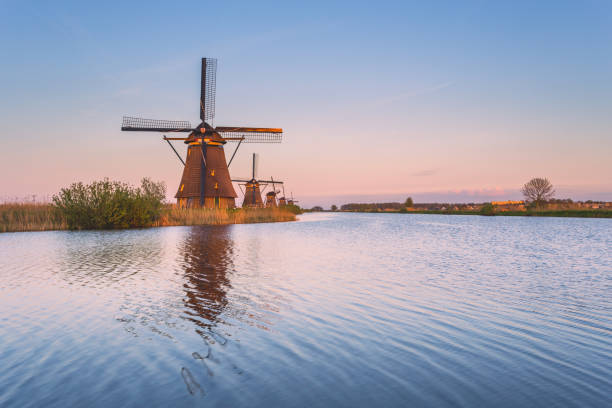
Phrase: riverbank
[21,217]
[582,213]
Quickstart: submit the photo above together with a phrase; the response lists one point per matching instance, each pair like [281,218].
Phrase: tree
[334,207]
[409,203]
[316,208]
[538,191]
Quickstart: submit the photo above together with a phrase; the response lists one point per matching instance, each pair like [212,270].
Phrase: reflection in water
[208,259]
[207,253]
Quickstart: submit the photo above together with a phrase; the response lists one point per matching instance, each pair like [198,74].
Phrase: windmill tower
[206,181]
[252,187]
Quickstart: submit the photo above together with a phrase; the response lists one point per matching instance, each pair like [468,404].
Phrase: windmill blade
[155,125]
[255,164]
[251,135]
[270,181]
[241,180]
[208,89]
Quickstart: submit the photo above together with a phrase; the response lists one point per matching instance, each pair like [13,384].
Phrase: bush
[292,208]
[487,209]
[110,204]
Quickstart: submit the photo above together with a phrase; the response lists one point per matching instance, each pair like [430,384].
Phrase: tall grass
[212,216]
[16,217]
[30,217]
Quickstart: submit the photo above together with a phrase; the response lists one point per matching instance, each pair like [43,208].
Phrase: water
[348,310]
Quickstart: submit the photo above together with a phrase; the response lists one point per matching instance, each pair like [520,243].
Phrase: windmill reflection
[208,253]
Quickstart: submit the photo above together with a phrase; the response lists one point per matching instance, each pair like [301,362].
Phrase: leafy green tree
[334,207]
[409,203]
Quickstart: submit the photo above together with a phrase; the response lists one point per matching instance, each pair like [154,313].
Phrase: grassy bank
[15,217]
[560,213]
[578,213]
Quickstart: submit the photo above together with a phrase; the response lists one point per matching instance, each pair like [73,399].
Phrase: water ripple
[334,310]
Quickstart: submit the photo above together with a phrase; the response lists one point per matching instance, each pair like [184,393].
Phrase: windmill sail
[155,125]
[255,165]
[208,89]
[250,135]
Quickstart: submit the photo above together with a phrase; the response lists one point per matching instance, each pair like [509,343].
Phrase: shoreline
[541,213]
[42,217]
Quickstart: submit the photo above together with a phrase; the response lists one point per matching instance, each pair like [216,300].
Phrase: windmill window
[212,172]
[216,186]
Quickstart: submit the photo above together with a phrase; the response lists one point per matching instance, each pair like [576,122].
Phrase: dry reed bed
[211,216]
[30,217]
[16,217]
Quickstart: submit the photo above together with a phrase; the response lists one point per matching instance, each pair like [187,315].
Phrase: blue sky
[461,100]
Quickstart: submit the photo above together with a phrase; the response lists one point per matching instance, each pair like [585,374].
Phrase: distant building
[508,202]
[509,205]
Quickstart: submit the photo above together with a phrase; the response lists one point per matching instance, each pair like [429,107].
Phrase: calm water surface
[351,310]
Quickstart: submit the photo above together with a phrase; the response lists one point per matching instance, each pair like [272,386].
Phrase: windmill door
[217,202]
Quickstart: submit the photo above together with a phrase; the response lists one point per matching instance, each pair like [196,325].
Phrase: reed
[15,217]
[30,217]
[173,215]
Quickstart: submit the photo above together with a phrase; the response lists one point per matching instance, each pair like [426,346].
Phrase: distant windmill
[291,201]
[282,201]
[206,181]
[252,186]
[271,195]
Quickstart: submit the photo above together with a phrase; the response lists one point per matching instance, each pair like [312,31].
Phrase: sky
[460,101]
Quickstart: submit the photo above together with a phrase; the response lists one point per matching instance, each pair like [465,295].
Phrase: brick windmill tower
[206,180]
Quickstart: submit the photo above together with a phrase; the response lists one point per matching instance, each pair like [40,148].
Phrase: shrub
[110,204]
[487,209]
[292,208]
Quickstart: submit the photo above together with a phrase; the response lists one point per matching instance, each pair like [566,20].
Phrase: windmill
[206,181]
[282,201]
[291,201]
[271,195]
[252,186]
